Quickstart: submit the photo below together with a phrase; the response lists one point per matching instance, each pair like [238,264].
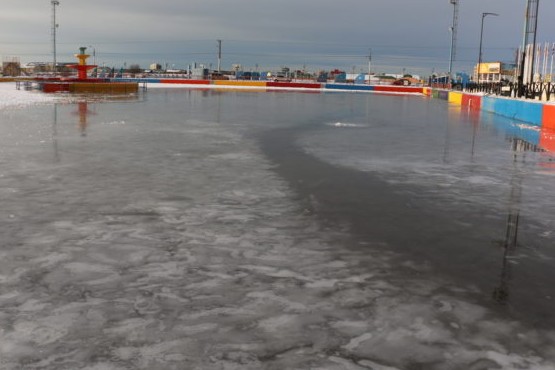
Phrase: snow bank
[11,97]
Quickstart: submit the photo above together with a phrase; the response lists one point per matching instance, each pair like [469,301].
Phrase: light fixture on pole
[54,27]
[484,15]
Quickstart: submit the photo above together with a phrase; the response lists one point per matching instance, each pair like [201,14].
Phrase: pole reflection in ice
[510,242]
[55,133]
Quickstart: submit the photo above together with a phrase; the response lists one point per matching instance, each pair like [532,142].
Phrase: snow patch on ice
[122,122]
[10,97]
[346,125]
[355,342]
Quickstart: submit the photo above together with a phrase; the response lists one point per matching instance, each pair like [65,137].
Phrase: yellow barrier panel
[455,97]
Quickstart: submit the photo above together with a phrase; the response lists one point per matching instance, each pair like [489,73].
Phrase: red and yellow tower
[82,67]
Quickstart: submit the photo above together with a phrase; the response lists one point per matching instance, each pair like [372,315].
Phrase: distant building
[37,67]
[200,73]
[11,66]
[494,72]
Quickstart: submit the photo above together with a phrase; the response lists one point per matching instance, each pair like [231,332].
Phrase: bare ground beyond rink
[209,230]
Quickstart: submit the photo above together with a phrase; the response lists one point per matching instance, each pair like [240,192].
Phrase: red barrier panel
[187,82]
[547,139]
[298,85]
[471,102]
[55,87]
[399,89]
[548,117]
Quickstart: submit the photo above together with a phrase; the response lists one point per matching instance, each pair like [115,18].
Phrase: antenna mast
[54,27]
[453,30]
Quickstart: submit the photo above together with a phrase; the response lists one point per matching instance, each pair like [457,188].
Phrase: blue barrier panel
[519,110]
[488,104]
[348,87]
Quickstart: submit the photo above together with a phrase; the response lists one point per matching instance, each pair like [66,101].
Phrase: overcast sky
[402,34]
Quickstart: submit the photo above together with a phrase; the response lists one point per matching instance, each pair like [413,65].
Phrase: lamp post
[369,64]
[453,30]
[95,70]
[484,15]
[54,26]
[94,53]
[219,55]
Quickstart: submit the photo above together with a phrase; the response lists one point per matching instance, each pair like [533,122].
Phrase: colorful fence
[278,85]
[539,116]
[532,112]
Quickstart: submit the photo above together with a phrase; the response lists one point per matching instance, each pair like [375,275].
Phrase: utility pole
[369,64]
[454,27]
[530,28]
[54,27]
[551,68]
[219,55]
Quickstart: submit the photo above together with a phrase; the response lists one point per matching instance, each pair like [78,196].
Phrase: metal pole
[219,55]
[484,15]
[480,51]
[453,30]
[94,53]
[533,29]
[54,26]
[551,67]
[369,64]
[530,28]
[545,59]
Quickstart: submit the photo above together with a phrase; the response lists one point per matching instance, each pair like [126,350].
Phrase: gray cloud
[410,34]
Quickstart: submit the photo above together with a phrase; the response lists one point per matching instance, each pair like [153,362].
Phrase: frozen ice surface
[126,255]
[10,97]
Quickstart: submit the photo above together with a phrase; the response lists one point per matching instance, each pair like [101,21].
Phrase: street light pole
[95,70]
[484,15]
[54,26]
[453,30]
[94,53]
[219,55]
[369,64]
[551,68]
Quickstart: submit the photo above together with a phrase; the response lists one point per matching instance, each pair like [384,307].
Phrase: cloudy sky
[410,35]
